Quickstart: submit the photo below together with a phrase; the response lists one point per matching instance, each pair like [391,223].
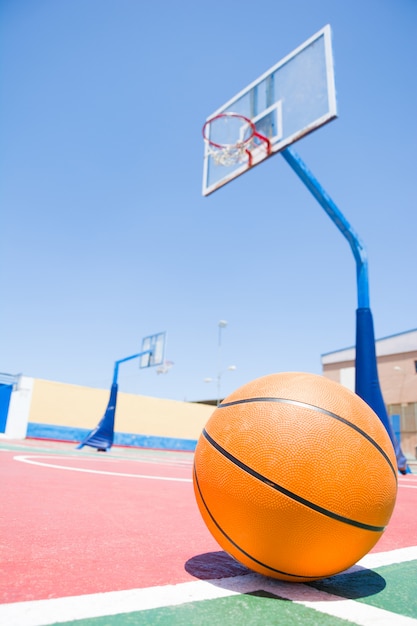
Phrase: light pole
[397,368]
[221,324]
[218,379]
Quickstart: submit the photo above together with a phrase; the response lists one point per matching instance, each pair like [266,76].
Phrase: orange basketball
[295,476]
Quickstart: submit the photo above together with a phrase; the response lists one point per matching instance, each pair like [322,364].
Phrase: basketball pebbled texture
[295,476]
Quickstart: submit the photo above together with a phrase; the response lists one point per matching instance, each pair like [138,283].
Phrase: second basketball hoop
[231,138]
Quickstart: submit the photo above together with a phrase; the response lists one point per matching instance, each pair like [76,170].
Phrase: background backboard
[293,98]
[155,343]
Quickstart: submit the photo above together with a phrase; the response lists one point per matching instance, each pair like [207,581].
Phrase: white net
[229,155]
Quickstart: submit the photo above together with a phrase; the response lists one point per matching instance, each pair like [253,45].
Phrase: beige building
[397,370]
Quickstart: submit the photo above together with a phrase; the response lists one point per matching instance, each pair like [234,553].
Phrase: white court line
[58,610]
[408,483]
[32,460]
[24,458]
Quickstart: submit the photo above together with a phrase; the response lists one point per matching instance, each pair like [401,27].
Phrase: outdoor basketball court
[116,538]
[101,538]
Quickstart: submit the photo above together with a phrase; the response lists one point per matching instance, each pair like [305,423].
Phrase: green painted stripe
[392,588]
[258,608]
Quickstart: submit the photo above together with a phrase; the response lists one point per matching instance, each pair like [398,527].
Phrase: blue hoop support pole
[366,373]
[102,436]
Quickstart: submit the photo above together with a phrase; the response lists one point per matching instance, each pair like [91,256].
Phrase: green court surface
[383,596]
[386,595]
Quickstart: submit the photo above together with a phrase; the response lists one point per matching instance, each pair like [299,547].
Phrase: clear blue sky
[105,237]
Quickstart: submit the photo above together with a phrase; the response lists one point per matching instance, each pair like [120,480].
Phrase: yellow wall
[60,404]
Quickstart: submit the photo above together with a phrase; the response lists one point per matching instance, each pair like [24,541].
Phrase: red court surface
[78,522]
[131,523]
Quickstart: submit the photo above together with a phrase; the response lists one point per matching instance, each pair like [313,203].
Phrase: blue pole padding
[366,373]
[102,436]
[366,378]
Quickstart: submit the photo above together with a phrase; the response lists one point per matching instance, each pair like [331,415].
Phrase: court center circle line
[23,458]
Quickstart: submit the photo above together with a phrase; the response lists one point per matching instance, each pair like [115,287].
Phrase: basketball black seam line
[287,492]
[252,558]
[318,409]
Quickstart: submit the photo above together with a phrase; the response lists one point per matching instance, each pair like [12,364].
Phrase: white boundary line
[58,610]
[25,458]
[409,481]
[33,460]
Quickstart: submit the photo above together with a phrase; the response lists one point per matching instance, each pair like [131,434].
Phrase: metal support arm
[128,358]
[339,220]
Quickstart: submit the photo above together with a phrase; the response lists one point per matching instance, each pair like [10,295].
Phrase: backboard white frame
[278,142]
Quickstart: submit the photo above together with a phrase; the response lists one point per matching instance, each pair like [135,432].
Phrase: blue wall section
[65,433]
[5,393]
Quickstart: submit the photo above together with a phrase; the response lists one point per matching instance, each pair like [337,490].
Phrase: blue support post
[102,436]
[366,374]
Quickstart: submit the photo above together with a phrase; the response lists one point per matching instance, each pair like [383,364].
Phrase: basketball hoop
[165,367]
[231,137]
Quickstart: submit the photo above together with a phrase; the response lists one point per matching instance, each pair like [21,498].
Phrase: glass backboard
[156,345]
[290,100]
